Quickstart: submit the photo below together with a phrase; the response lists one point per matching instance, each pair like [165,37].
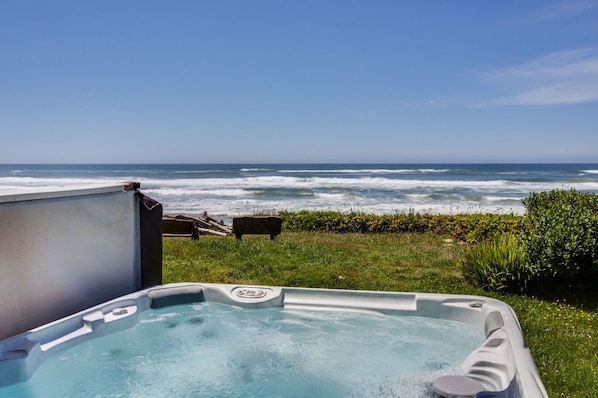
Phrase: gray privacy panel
[63,252]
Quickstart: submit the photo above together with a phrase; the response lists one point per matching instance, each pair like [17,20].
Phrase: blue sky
[298,81]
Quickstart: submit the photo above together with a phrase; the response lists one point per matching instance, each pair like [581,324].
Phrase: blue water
[216,350]
[229,190]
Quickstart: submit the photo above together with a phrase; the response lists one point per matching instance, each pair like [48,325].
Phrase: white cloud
[564,77]
[566,9]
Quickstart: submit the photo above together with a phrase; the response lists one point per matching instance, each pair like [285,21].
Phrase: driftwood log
[204,225]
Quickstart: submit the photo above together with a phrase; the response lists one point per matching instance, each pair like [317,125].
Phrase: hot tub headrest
[494,321]
[174,296]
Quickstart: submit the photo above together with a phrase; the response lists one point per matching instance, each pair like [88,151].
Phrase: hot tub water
[217,350]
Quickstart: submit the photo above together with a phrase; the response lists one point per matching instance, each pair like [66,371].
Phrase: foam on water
[215,350]
[366,171]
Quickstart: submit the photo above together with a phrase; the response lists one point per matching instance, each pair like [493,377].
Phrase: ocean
[225,191]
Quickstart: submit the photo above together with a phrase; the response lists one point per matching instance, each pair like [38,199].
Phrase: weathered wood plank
[181,228]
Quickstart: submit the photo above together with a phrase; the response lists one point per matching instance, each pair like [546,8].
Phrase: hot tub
[243,341]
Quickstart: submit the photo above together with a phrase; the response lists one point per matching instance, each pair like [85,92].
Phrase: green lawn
[561,332]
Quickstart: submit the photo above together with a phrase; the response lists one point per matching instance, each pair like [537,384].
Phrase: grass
[561,332]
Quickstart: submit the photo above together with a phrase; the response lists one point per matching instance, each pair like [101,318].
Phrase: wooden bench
[257,225]
[179,228]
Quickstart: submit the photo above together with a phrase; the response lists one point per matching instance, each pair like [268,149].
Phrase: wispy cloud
[564,77]
[565,9]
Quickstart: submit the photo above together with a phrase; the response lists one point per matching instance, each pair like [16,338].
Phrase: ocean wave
[499,198]
[335,196]
[318,181]
[12,183]
[366,171]
[226,210]
[204,185]
[194,171]
[254,170]
[196,192]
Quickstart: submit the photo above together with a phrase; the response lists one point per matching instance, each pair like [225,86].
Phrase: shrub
[498,264]
[463,227]
[561,235]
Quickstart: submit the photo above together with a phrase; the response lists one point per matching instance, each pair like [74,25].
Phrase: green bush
[561,236]
[462,227]
[498,264]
